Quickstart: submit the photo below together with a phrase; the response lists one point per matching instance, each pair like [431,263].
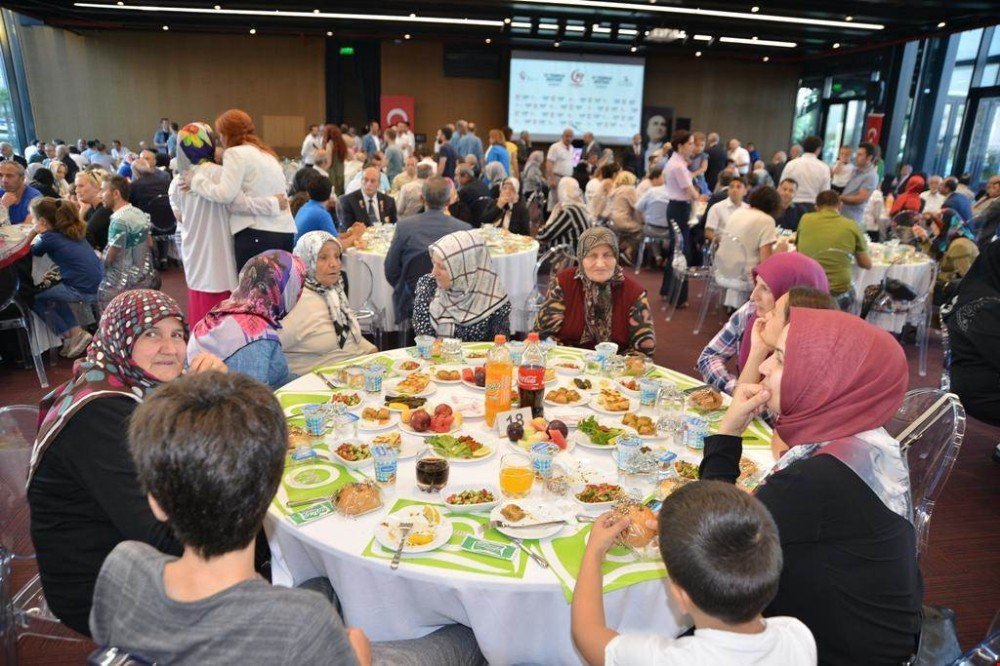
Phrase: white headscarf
[344,322]
[475,292]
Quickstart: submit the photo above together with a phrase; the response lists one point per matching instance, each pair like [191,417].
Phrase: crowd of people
[169,412]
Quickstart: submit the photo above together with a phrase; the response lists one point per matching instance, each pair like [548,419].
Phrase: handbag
[938,637]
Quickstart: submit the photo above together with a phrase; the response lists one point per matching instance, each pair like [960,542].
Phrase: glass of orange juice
[516,475]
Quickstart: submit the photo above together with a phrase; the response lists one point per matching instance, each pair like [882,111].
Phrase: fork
[405,527]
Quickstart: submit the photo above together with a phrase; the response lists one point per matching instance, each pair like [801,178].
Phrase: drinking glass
[614,366]
[516,348]
[670,413]
[373,377]
[317,417]
[516,475]
[432,471]
[593,363]
[451,350]
[425,345]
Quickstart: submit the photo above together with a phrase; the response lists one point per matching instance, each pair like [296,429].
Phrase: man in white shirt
[118,151]
[312,144]
[559,163]
[812,175]
[932,197]
[718,214]
[740,156]
[842,169]
[404,138]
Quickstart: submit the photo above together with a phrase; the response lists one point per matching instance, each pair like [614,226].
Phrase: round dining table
[914,269]
[513,258]
[518,609]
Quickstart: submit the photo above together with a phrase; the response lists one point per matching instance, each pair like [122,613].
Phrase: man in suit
[475,194]
[590,145]
[635,157]
[413,236]
[717,158]
[367,205]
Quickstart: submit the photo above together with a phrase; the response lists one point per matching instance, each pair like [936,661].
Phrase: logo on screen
[576,77]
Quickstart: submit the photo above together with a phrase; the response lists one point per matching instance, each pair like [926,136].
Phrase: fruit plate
[482,438]
[595,404]
[449,368]
[405,427]
[392,388]
[570,417]
[388,532]
[405,366]
[353,464]
[448,491]
[524,445]
[583,399]
[537,512]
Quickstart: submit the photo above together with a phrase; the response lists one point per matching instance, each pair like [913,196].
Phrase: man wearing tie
[635,160]
[368,205]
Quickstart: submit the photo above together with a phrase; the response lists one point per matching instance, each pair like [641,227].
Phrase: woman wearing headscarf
[910,198]
[568,219]
[207,253]
[493,175]
[321,329]
[952,243]
[82,486]
[59,172]
[243,329]
[973,320]
[531,176]
[772,280]
[514,214]
[840,495]
[596,301]
[620,210]
[462,297]
[249,166]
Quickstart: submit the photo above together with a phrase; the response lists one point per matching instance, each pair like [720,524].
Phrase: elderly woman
[772,280]
[568,219]
[82,488]
[462,297]
[321,329]
[531,176]
[493,175]
[243,329]
[840,496]
[952,243]
[597,302]
[514,214]
[620,210]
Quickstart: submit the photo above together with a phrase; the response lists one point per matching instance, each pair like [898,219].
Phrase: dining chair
[656,237]
[919,310]
[418,266]
[682,273]
[729,271]
[556,258]
[368,315]
[987,652]
[25,612]
[930,427]
[9,284]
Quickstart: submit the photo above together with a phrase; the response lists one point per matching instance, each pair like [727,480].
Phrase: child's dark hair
[62,215]
[210,448]
[721,546]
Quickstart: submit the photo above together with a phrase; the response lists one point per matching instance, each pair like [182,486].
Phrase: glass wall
[807,109]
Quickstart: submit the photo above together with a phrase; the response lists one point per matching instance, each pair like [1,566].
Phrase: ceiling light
[253,31]
[628,31]
[754,38]
[848,18]
[521,24]
[345,16]
[755,9]
[329,33]
[576,28]
[703,38]
[507,21]
[120,3]
[548,26]
[766,58]
[836,45]
[555,44]
[489,41]
[634,49]
[412,15]
[166,27]
[218,7]
[600,29]
[698,11]
[697,54]
[942,24]
[757,42]
[406,36]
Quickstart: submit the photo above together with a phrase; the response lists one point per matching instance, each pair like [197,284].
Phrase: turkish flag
[396,108]
[873,128]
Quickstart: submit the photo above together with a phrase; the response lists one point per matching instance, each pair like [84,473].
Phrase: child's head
[720,545]
[209,448]
[60,215]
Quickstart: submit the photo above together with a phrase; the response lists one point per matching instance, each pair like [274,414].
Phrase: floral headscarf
[344,322]
[475,292]
[598,302]
[108,369]
[269,287]
[949,227]
[196,144]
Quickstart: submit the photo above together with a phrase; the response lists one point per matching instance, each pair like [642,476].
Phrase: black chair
[414,269]
[161,216]
[16,315]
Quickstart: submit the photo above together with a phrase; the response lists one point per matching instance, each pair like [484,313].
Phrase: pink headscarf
[842,376]
[780,272]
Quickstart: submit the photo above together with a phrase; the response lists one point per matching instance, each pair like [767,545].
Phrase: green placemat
[313,478]
[382,359]
[292,402]
[621,567]
[451,556]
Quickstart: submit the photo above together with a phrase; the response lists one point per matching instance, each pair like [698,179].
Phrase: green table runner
[451,556]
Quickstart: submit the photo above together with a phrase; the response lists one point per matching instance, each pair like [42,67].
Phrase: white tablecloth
[515,270]
[523,620]
[919,276]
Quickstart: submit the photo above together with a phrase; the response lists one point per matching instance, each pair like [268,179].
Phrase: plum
[480,376]
[515,431]
[420,420]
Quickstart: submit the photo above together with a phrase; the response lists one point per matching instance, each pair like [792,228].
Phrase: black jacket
[476,195]
[353,209]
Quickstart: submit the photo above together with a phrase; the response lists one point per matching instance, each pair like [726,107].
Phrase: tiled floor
[961,569]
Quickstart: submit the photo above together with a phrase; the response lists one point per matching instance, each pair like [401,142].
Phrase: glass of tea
[432,472]
[516,475]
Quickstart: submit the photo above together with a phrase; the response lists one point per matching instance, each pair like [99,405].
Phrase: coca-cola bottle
[531,376]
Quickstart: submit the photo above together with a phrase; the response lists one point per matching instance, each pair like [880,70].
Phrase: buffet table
[518,610]
[513,258]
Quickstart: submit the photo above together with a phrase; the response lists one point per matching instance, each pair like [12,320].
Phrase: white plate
[476,361]
[583,440]
[584,397]
[481,437]
[398,365]
[570,445]
[618,386]
[393,409]
[360,394]
[472,385]
[390,389]
[353,464]
[405,427]
[537,513]
[570,418]
[470,508]
[470,408]
[570,372]
[412,513]
[619,424]
[376,426]
[600,507]
[633,405]
[433,370]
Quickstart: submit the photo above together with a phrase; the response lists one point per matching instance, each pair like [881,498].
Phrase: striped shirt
[565,227]
[724,346]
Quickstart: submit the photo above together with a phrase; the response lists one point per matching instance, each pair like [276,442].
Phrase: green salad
[458,447]
[599,435]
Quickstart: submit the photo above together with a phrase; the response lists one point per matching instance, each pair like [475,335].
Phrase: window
[806,111]
[961,78]
[968,45]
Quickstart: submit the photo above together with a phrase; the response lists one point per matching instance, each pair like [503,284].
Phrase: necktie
[372,213]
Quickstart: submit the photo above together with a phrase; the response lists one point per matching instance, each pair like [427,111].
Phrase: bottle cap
[533,337]
[500,339]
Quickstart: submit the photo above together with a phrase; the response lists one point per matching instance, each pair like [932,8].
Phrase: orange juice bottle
[498,379]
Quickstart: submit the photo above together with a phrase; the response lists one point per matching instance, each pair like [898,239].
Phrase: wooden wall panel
[117,84]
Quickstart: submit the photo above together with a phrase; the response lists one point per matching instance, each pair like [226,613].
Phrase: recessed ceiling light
[754,38]
[120,3]
[406,36]
[703,38]
[218,7]
[329,33]
[755,9]
[757,42]
[697,54]
[634,49]
[489,41]
[548,26]
[253,31]
[766,58]
[412,15]
[166,27]
[942,24]
[836,45]
[848,18]
[507,21]
[315,11]
[555,44]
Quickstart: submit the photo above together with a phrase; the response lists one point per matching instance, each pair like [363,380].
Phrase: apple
[420,420]
[442,409]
